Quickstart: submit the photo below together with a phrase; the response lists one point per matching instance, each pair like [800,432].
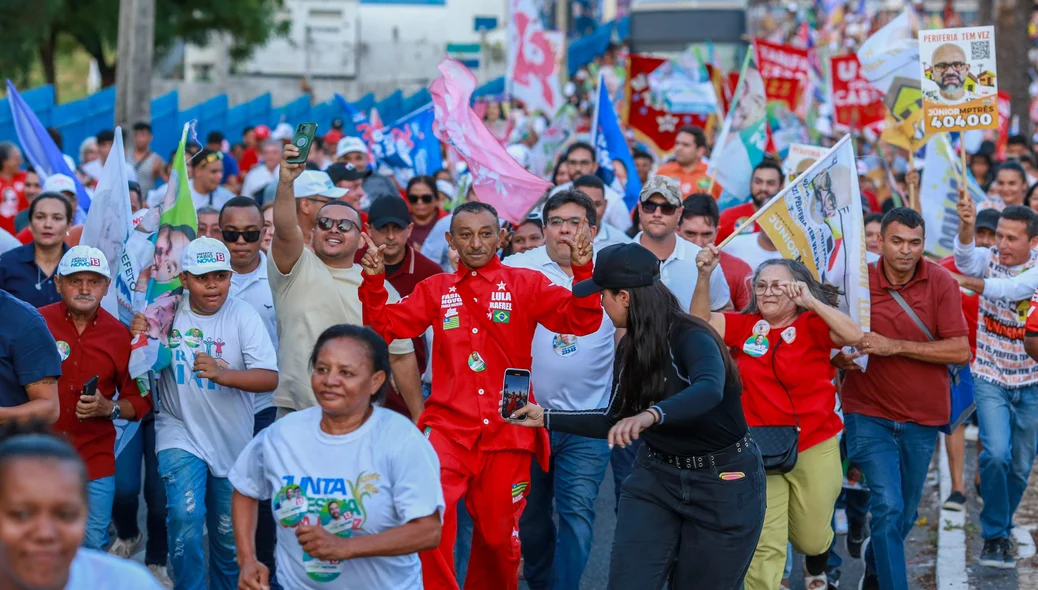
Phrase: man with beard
[765,183]
[949,72]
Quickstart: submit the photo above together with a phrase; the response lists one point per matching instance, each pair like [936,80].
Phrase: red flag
[783,62]
[856,102]
[656,128]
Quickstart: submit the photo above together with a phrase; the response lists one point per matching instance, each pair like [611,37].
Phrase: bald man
[950,72]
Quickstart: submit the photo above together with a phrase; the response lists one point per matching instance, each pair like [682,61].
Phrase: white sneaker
[127,548]
[159,571]
[972,433]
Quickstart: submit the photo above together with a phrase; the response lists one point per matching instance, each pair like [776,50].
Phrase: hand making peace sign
[372,262]
[580,248]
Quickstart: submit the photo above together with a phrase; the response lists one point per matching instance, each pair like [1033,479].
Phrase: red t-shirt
[12,200]
[103,349]
[737,273]
[970,305]
[898,388]
[249,158]
[795,359]
[732,218]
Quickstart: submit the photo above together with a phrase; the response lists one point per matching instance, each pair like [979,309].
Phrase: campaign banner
[856,102]
[939,195]
[654,126]
[683,85]
[534,59]
[743,139]
[817,220]
[552,142]
[800,158]
[959,79]
[780,63]
[890,62]
[408,145]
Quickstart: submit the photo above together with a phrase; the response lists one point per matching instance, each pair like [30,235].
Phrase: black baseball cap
[388,209]
[987,219]
[340,171]
[621,266]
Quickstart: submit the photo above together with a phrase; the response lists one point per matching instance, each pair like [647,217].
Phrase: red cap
[262,132]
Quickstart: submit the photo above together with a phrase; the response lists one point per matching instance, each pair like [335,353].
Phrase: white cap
[59,183]
[316,183]
[349,145]
[204,255]
[84,259]
[446,188]
[282,132]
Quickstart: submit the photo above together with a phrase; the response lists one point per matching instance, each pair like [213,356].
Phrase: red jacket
[483,323]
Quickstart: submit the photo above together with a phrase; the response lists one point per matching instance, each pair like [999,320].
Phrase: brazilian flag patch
[502,317]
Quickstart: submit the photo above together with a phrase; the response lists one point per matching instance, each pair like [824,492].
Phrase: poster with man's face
[959,79]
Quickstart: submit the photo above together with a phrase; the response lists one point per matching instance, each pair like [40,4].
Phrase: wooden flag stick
[962,148]
[913,196]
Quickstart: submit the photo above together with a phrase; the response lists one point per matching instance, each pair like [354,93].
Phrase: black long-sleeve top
[701,413]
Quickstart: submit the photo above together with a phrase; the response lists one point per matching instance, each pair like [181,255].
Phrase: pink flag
[496,177]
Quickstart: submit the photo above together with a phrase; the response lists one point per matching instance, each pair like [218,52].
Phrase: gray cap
[664,186]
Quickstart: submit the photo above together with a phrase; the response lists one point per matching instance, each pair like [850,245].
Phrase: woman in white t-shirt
[348,479]
[43,521]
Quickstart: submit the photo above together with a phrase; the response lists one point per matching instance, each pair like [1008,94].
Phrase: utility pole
[134,64]
[562,25]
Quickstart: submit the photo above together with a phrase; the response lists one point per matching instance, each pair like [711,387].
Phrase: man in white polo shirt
[569,373]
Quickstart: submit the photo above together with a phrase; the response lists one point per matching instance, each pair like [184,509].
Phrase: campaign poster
[959,79]
[800,158]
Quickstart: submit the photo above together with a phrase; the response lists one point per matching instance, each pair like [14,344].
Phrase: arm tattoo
[47,381]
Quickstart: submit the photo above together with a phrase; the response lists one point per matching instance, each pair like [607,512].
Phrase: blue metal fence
[83,118]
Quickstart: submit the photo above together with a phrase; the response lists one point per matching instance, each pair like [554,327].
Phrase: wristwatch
[116,412]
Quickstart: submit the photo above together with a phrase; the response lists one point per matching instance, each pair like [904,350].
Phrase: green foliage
[250,22]
[24,26]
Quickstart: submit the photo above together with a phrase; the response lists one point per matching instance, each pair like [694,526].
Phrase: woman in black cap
[693,508]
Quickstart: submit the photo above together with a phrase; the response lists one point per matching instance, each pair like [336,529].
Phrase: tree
[1012,45]
[32,29]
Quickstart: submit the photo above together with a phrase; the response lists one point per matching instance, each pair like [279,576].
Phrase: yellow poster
[959,79]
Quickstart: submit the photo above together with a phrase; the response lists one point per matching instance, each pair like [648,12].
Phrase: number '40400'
[971,120]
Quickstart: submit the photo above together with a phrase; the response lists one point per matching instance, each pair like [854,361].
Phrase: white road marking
[951,536]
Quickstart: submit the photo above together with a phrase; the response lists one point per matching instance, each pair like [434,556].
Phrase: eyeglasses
[944,66]
[762,288]
[665,208]
[573,222]
[231,236]
[423,198]
[344,225]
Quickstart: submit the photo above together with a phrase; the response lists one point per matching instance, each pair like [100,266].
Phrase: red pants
[494,485]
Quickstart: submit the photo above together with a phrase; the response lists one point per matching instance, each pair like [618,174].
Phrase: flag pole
[913,191]
[781,195]
[962,149]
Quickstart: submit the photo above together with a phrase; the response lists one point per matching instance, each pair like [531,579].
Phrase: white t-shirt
[680,274]
[568,372]
[254,289]
[748,249]
[608,235]
[210,421]
[257,178]
[616,213]
[93,570]
[381,476]
[215,199]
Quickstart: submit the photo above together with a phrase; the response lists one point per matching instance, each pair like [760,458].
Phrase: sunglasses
[213,156]
[231,236]
[423,198]
[344,225]
[665,208]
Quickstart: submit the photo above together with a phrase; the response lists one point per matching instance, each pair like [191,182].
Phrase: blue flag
[610,144]
[39,148]
[408,144]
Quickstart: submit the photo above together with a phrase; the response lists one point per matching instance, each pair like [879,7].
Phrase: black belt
[704,461]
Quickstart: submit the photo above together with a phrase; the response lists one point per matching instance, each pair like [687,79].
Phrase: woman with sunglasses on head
[692,509]
[206,177]
[782,343]
[43,492]
[426,207]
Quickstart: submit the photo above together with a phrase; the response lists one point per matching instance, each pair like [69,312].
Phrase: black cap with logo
[621,266]
[340,171]
[389,209]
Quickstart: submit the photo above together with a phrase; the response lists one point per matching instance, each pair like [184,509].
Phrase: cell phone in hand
[303,139]
[90,388]
[516,392]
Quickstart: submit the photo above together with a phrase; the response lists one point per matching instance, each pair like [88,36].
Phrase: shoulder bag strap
[952,369]
[796,418]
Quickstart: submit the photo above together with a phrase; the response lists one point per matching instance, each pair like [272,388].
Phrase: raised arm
[556,308]
[843,330]
[406,318]
[971,260]
[707,260]
[287,245]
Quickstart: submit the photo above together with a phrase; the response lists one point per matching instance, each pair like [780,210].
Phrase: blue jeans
[556,559]
[197,499]
[1009,432]
[100,494]
[463,542]
[141,449]
[894,456]
[622,461]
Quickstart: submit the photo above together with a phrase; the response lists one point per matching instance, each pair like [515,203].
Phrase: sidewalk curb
[951,536]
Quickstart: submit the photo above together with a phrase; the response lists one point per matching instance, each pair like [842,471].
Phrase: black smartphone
[90,388]
[303,139]
[516,391]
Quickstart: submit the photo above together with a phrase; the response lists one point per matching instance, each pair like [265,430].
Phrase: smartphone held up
[516,392]
[303,139]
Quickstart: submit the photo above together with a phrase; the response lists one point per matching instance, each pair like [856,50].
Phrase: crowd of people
[332,409]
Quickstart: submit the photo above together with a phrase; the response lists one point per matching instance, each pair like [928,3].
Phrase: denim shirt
[21,277]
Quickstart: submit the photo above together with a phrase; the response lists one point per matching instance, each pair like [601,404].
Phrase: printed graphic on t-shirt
[564,344]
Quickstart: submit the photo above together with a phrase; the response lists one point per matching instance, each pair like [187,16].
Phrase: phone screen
[516,391]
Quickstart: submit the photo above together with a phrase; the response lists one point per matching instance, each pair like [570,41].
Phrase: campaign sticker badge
[789,335]
[321,571]
[337,517]
[290,505]
[64,350]
[175,338]
[761,328]
[755,346]
[564,344]
[451,319]
[476,362]
[193,338]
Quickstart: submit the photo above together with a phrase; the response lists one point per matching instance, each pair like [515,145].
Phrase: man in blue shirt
[30,363]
